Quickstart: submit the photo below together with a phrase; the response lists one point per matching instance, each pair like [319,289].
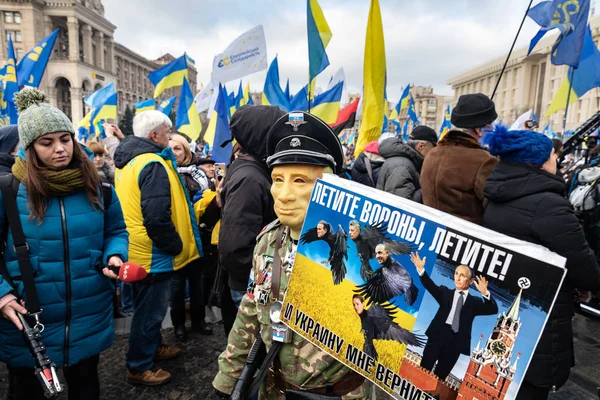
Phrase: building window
[17,17]
[19,53]
[18,37]
[8,17]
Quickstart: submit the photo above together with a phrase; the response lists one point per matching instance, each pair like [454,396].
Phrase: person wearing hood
[401,171]
[367,165]
[454,173]
[9,144]
[526,202]
[164,237]
[72,231]
[247,204]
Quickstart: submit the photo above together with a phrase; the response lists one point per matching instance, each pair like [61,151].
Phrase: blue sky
[427,41]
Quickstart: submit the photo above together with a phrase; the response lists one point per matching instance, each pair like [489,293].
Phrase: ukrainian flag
[167,105]
[326,106]
[412,114]
[188,120]
[272,93]
[446,124]
[100,96]
[374,80]
[239,98]
[585,78]
[218,129]
[145,105]
[319,36]
[83,127]
[32,66]
[402,103]
[247,99]
[10,84]
[108,110]
[171,75]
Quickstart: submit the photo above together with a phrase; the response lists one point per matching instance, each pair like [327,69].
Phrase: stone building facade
[85,56]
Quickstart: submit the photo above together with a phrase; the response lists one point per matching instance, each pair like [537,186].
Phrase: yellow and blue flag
[247,99]
[107,110]
[326,106]
[585,78]
[171,75]
[239,97]
[84,127]
[188,120]
[570,18]
[218,131]
[402,103]
[446,124]
[374,80]
[32,66]
[166,106]
[145,105]
[10,84]
[100,96]
[299,102]
[319,36]
[412,114]
[272,93]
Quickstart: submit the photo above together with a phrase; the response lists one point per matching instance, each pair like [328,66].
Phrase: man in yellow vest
[163,234]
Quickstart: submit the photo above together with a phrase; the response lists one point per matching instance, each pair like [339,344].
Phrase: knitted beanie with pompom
[522,146]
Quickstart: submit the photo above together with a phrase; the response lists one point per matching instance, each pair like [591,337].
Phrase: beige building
[529,82]
[85,56]
[430,107]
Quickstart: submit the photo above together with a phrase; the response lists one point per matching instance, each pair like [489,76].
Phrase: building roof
[518,55]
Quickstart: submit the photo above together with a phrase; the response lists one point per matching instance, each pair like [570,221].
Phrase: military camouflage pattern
[302,363]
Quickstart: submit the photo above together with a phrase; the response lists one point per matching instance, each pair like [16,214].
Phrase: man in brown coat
[454,173]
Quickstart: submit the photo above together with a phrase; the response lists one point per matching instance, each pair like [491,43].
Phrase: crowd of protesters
[194,231]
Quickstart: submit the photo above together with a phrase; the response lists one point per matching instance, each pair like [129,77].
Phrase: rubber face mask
[291,190]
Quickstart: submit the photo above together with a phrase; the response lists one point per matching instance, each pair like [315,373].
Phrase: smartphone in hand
[220,170]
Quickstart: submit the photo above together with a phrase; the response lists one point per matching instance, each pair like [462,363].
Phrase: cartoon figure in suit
[449,333]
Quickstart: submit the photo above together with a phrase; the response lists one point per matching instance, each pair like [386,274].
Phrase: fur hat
[523,146]
[38,118]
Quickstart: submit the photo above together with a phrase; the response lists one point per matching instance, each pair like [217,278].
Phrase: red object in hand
[130,272]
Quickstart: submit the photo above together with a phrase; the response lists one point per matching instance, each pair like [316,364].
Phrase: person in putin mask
[72,232]
[164,237]
[526,201]
[195,181]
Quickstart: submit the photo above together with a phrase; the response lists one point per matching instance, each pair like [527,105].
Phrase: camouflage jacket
[302,363]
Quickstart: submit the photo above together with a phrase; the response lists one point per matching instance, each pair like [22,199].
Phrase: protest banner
[356,292]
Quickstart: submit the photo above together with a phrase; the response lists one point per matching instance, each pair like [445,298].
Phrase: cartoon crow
[389,281]
[378,323]
[367,239]
[337,245]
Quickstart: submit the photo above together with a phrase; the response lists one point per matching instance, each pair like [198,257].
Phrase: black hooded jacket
[246,195]
[360,173]
[155,194]
[527,203]
[401,171]
[9,137]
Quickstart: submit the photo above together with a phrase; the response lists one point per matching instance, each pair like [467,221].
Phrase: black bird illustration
[369,237]
[338,249]
[378,323]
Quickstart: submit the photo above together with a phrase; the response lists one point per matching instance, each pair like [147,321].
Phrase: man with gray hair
[163,237]
[401,171]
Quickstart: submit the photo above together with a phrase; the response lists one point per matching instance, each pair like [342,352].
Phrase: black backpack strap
[9,196]
[106,194]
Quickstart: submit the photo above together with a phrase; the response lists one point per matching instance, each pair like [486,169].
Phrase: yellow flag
[560,98]
[373,81]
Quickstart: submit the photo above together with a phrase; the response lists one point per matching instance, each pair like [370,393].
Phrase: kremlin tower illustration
[491,367]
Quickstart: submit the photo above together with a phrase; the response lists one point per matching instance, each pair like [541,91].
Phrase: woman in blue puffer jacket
[70,239]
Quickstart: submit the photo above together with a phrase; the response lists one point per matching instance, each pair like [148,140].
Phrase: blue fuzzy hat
[523,146]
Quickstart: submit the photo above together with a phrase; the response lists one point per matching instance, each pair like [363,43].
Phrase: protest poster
[368,306]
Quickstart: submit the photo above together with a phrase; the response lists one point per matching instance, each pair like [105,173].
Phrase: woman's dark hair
[557,144]
[38,190]
[358,296]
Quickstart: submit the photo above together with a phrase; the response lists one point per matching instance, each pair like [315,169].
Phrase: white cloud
[427,42]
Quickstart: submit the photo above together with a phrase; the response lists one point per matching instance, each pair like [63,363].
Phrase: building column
[110,56]
[76,105]
[87,44]
[48,25]
[52,96]
[99,39]
[73,26]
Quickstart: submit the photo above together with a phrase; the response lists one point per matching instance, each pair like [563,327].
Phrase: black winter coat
[401,171]
[360,173]
[527,203]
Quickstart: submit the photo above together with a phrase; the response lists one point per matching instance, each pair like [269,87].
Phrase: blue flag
[167,105]
[10,84]
[570,18]
[411,111]
[299,102]
[222,132]
[272,93]
[32,66]
[100,96]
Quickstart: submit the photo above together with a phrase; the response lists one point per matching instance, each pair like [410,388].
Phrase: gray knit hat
[38,118]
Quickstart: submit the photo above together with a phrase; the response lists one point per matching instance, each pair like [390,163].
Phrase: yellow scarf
[60,183]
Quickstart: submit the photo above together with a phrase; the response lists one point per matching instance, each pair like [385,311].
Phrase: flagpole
[567,106]
[511,50]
